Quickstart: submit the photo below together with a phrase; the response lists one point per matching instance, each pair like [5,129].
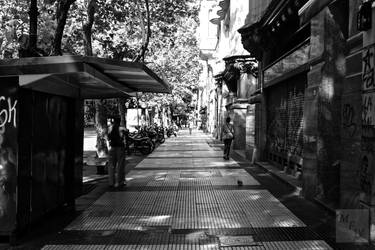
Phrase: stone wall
[239,122]
[250,132]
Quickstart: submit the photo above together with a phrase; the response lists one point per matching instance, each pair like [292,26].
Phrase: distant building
[230,72]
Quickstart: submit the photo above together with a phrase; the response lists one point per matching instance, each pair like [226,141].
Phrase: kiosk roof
[83,77]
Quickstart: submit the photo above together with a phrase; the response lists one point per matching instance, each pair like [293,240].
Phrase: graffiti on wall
[8,160]
[8,113]
[365,171]
[277,127]
[285,134]
[295,122]
[368,69]
[368,109]
[365,176]
[348,121]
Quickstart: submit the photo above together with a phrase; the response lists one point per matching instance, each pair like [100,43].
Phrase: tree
[62,10]
[13,24]
[87,27]
[177,59]
[146,33]
[100,114]
[101,128]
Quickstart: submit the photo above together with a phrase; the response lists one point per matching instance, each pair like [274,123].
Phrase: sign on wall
[352,225]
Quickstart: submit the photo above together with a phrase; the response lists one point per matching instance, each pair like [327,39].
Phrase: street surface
[186,196]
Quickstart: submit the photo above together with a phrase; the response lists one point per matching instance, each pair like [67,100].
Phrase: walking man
[228,135]
[116,155]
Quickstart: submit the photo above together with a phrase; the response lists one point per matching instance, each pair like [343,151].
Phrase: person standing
[116,155]
[191,125]
[228,135]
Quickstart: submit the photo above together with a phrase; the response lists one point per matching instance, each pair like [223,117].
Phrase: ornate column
[219,102]
[238,76]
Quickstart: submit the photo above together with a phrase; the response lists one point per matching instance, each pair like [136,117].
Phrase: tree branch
[145,35]
[87,27]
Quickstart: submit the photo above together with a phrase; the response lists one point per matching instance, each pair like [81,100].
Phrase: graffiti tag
[365,176]
[348,119]
[368,111]
[8,114]
[368,69]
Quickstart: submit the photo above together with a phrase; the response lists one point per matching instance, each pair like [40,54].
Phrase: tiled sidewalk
[185,196]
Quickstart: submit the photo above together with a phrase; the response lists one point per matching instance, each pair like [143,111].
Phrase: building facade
[314,112]
[230,73]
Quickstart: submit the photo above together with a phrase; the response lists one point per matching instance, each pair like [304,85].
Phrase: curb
[327,208]
[95,179]
[278,176]
[269,171]
[319,203]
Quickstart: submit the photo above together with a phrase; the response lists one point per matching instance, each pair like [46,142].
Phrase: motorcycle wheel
[145,148]
[162,140]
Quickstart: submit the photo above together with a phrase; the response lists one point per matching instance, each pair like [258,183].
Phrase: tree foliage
[173,52]
[118,32]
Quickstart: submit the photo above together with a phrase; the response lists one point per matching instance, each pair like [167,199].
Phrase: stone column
[250,132]
[220,112]
[218,121]
[322,111]
[239,122]
[242,83]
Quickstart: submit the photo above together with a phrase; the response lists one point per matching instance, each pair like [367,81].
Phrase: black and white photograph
[187,124]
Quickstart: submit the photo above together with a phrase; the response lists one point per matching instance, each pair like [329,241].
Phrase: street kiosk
[41,128]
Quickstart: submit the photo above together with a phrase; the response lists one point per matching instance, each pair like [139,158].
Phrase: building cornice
[262,35]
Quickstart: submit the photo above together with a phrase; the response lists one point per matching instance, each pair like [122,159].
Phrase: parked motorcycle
[160,137]
[171,131]
[152,134]
[138,142]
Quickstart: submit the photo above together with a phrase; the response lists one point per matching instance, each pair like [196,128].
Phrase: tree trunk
[100,114]
[28,44]
[62,10]
[33,33]
[122,111]
[87,27]
[101,129]
[146,34]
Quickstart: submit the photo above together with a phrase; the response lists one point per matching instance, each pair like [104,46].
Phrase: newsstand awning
[83,77]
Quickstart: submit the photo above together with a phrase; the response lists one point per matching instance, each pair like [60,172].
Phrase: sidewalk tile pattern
[186,210]
[281,245]
[185,196]
[211,177]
